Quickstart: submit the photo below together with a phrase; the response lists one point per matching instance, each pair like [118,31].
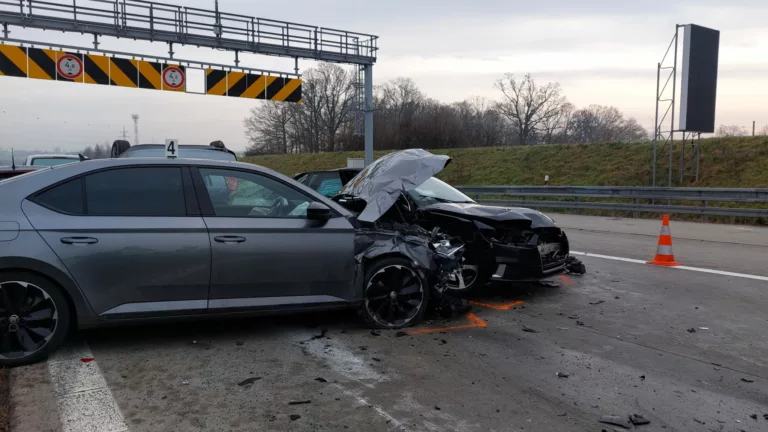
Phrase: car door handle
[79,240]
[229,239]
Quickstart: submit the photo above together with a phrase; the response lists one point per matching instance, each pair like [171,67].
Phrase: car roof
[329,170]
[54,156]
[160,146]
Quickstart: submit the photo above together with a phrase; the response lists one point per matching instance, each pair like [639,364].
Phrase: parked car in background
[215,150]
[53,159]
[141,239]
[329,182]
[502,244]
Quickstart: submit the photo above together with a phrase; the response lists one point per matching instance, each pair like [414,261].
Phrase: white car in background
[52,159]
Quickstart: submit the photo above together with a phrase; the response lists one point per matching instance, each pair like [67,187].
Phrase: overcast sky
[601,51]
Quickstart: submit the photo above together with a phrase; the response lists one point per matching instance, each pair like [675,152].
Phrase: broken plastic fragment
[638,420]
[616,421]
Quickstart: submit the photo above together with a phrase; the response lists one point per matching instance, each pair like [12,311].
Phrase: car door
[265,252]
[132,238]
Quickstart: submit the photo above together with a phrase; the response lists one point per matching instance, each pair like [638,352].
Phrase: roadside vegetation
[725,162]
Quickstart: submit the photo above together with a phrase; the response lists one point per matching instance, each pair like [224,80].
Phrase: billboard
[699,79]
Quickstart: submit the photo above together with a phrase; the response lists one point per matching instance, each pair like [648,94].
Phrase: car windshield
[52,161]
[189,153]
[434,190]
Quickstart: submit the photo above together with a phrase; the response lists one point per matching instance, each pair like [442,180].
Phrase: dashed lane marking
[83,398]
[475,322]
[696,269]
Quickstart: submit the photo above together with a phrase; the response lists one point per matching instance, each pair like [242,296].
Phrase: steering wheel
[278,207]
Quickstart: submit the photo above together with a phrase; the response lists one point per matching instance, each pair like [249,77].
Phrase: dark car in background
[215,150]
[139,239]
[502,244]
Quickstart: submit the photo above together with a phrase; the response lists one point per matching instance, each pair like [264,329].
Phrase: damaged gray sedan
[126,240]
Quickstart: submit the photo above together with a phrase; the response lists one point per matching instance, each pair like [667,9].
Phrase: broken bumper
[527,263]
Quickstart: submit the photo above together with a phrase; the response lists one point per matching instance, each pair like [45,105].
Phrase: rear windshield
[183,153]
[52,161]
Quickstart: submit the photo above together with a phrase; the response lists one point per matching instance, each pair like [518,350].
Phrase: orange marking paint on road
[475,322]
[566,280]
[498,306]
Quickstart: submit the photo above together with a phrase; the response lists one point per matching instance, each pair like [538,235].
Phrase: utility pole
[125,134]
[135,118]
[753,128]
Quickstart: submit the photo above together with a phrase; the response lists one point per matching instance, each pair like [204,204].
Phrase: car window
[64,198]
[327,183]
[141,191]
[52,161]
[243,194]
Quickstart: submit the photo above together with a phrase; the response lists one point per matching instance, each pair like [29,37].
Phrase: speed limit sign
[171,148]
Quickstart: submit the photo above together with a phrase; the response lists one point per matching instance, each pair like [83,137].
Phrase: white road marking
[696,269]
[364,402]
[84,401]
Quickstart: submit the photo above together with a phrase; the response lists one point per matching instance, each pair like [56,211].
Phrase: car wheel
[119,147]
[469,279]
[34,318]
[395,294]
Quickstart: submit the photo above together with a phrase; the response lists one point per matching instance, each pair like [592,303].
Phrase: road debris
[765,416]
[562,375]
[323,332]
[240,343]
[579,323]
[616,298]
[87,359]
[597,302]
[295,417]
[703,328]
[691,330]
[443,341]
[747,380]
[573,317]
[184,382]
[363,348]
[701,422]
[375,333]
[401,334]
[616,421]
[376,359]
[300,402]
[638,420]
[753,416]
[322,380]
[642,377]
[437,407]
[529,330]
[248,381]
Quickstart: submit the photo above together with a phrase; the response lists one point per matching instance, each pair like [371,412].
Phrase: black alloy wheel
[464,280]
[32,322]
[395,294]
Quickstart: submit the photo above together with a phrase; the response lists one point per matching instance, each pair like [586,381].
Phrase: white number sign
[171,148]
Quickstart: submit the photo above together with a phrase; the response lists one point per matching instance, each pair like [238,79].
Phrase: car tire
[119,147]
[34,318]
[395,294]
[474,275]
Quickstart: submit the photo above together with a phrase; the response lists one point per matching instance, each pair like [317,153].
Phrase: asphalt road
[620,333]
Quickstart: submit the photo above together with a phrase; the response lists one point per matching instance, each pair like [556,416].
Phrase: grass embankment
[725,162]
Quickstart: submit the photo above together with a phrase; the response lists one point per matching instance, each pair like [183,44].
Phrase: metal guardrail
[149,20]
[704,195]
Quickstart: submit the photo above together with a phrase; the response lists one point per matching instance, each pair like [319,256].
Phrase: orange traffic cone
[664,255]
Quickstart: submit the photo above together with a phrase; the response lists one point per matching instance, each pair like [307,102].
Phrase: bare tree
[269,128]
[555,128]
[731,130]
[764,130]
[598,123]
[528,106]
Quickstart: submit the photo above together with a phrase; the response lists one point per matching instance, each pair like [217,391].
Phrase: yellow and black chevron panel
[215,82]
[123,72]
[42,63]
[282,89]
[149,75]
[237,83]
[257,87]
[60,77]
[13,61]
[96,69]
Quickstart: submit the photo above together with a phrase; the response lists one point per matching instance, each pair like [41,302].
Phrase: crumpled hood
[381,183]
[492,215]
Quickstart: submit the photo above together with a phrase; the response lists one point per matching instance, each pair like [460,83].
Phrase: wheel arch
[80,310]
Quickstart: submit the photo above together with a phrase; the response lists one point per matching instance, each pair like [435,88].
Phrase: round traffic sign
[69,66]
[173,77]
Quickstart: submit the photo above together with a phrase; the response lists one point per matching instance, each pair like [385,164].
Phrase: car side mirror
[318,212]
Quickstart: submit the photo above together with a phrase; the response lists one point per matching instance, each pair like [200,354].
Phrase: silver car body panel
[145,267]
